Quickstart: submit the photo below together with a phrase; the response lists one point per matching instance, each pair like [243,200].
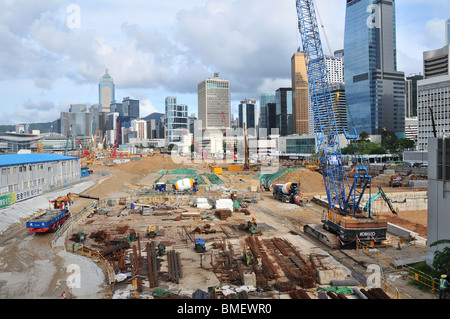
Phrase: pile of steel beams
[175,271]
[375,293]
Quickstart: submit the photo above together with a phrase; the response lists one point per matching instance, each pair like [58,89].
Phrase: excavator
[384,197]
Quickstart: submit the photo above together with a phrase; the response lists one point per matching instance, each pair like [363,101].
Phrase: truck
[50,221]
[185,185]
[395,180]
[288,193]
[160,187]
[53,218]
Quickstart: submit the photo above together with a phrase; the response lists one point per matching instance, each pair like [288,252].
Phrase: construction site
[158,228]
[227,236]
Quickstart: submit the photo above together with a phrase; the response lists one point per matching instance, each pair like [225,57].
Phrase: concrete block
[327,275]
[401,232]
[202,203]
[224,203]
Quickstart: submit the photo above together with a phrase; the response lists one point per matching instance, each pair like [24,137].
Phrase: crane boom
[328,144]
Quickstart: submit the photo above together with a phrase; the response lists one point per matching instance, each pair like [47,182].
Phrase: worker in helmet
[443,285]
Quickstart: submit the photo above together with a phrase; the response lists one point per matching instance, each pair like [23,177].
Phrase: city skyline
[55,52]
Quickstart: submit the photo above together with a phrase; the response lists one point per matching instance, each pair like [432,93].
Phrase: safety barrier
[403,270]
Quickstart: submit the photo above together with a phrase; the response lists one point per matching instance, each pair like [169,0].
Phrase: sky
[54,52]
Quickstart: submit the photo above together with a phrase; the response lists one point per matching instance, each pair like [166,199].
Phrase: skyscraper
[214,102]
[300,94]
[264,111]
[375,90]
[106,92]
[247,114]
[284,117]
[447,31]
[177,124]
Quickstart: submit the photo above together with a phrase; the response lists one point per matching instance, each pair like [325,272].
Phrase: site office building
[28,175]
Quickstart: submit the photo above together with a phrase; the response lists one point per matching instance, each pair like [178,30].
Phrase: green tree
[441,261]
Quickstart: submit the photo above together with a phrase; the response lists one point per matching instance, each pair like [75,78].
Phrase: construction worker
[444,284]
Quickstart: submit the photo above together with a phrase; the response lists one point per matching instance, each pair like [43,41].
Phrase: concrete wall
[439,203]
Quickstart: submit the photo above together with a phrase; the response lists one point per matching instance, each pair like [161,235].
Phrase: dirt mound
[311,182]
[415,221]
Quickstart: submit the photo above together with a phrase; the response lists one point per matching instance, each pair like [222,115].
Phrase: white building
[435,93]
[335,69]
[214,102]
[23,176]
[411,127]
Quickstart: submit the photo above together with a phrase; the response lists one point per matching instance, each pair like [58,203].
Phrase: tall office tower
[177,124]
[247,114]
[106,92]
[411,94]
[263,110]
[300,94]
[131,107]
[375,90]
[447,31]
[284,110]
[213,102]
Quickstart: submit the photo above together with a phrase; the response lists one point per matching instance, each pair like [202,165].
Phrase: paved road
[31,269]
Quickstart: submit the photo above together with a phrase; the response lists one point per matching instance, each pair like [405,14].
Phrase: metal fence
[404,270]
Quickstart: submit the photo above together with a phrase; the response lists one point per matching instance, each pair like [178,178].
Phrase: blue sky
[154,49]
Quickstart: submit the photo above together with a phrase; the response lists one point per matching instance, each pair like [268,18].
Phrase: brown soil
[311,182]
[415,221]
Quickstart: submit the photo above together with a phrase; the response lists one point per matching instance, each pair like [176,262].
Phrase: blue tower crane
[341,203]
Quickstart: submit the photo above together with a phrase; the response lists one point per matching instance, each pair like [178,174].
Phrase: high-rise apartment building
[335,69]
[375,90]
[247,114]
[300,94]
[106,92]
[177,124]
[213,103]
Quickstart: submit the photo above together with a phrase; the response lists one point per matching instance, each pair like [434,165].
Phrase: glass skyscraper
[264,112]
[375,90]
